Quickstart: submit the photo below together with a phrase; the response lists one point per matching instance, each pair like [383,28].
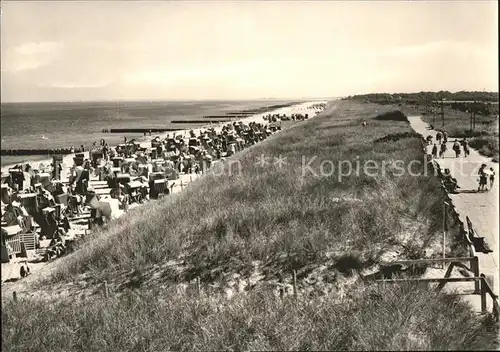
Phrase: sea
[65,124]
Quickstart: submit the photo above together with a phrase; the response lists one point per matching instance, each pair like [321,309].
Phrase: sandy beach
[10,271]
[67,161]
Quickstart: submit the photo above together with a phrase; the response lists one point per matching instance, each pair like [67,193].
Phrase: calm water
[61,125]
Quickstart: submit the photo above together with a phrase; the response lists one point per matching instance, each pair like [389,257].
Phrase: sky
[173,50]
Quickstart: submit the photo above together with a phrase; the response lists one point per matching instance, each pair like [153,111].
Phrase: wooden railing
[481,285]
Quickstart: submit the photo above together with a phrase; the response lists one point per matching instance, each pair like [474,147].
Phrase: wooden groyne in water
[220,117]
[246,113]
[15,152]
[139,130]
[242,113]
[198,121]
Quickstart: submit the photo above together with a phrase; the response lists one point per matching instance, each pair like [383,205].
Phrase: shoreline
[67,160]
[10,270]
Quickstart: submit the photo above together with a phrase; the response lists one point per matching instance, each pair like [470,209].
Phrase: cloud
[30,56]
[77,85]
[169,76]
[100,44]
[445,46]
[38,48]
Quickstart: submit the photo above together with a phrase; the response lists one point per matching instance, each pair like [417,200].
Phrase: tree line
[480,102]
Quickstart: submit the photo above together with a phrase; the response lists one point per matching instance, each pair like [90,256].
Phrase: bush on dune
[487,146]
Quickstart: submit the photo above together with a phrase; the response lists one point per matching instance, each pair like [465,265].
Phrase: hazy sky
[71,50]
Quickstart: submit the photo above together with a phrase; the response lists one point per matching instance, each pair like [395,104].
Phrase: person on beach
[492,177]
[442,150]
[79,179]
[434,151]
[483,179]
[456,148]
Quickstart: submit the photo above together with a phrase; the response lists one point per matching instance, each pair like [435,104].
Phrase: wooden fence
[481,285]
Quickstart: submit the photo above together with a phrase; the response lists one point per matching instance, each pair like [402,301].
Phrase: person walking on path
[429,139]
[483,180]
[428,149]
[465,145]
[442,150]
[439,137]
[445,137]
[456,148]
[492,177]
[434,151]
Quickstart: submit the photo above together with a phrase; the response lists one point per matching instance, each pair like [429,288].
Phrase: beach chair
[17,177]
[143,170]
[78,159]
[45,179]
[26,222]
[11,242]
[30,202]
[29,240]
[133,189]
[6,195]
[155,176]
[117,161]
[123,178]
[154,152]
[50,226]
[160,187]
[95,155]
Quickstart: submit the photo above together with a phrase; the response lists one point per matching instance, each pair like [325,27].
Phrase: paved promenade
[482,208]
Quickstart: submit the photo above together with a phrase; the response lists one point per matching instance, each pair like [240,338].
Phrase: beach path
[481,208]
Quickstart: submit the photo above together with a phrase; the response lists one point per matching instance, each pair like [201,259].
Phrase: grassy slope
[484,138]
[231,220]
[397,319]
[280,220]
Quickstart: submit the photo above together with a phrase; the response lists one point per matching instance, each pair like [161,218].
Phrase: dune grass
[241,212]
[392,319]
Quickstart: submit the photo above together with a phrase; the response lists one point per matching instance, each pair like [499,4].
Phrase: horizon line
[117,100]
[163,100]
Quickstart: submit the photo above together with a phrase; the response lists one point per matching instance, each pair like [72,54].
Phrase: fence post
[474,263]
[483,294]
[281,288]
[295,283]
[444,232]
[14,296]
[198,286]
[106,293]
